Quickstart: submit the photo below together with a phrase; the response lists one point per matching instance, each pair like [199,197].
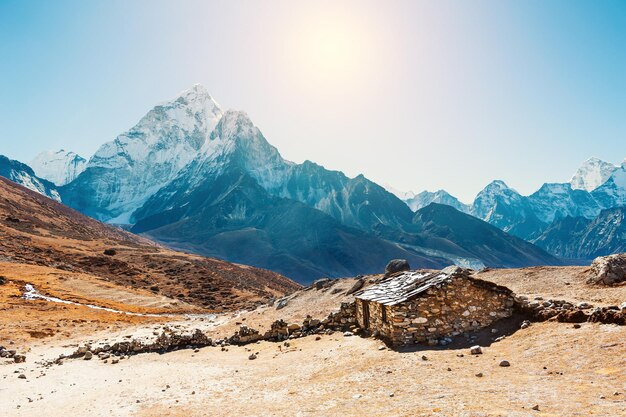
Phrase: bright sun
[329,51]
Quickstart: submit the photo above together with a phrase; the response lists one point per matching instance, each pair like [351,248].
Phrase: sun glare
[329,50]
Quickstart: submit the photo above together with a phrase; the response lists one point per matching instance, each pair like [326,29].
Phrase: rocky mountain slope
[22,174]
[58,167]
[38,231]
[582,238]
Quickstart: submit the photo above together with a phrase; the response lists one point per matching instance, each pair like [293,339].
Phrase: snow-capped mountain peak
[425,198]
[592,173]
[402,195]
[58,167]
[125,172]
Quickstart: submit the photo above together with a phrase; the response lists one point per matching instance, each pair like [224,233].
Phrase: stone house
[413,306]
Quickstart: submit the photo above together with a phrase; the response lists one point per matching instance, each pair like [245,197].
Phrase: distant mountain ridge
[553,215]
[202,179]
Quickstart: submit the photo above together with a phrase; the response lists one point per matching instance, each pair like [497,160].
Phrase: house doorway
[366,314]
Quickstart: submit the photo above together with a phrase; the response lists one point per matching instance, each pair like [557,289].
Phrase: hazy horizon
[418,95]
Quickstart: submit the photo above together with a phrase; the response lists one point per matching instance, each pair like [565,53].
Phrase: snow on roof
[407,285]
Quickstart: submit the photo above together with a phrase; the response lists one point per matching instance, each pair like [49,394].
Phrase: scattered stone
[476,350]
[382,347]
[577,326]
[536,407]
[392,394]
[505,363]
[21,376]
[252,357]
[110,252]
[88,355]
[424,358]
[348,334]
[525,324]
[318,338]
[479,375]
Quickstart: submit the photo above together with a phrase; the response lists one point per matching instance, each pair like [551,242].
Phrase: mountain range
[201,179]
[557,215]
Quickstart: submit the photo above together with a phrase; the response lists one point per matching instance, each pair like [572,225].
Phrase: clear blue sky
[421,95]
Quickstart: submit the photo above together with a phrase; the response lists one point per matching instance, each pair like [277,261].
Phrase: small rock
[382,347]
[536,407]
[348,334]
[479,375]
[21,376]
[476,350]
[505,363]
[252,357]
[424,358]
[88,356]
[392,394]
[576,326]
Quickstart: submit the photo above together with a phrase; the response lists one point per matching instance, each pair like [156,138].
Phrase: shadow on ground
[484,337]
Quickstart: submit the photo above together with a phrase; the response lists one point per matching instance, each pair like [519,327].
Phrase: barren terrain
[564,370]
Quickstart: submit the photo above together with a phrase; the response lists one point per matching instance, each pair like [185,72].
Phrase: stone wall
[464,305]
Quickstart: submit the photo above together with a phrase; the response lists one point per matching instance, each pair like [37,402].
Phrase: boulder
[608,270]
[357,286]
[397,265]
[321,283]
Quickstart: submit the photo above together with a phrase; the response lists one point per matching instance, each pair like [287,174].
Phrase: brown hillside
[38,231]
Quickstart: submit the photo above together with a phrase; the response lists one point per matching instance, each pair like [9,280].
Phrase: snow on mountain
[124,173]
[592,174]
[402,195]
[59,167]
[496,192]
[22,174]
[441,197]
[555,201]
[613,192]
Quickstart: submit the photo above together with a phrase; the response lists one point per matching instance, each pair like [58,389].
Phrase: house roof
[407,285]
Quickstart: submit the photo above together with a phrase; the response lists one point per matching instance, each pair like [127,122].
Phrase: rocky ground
[556,369]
